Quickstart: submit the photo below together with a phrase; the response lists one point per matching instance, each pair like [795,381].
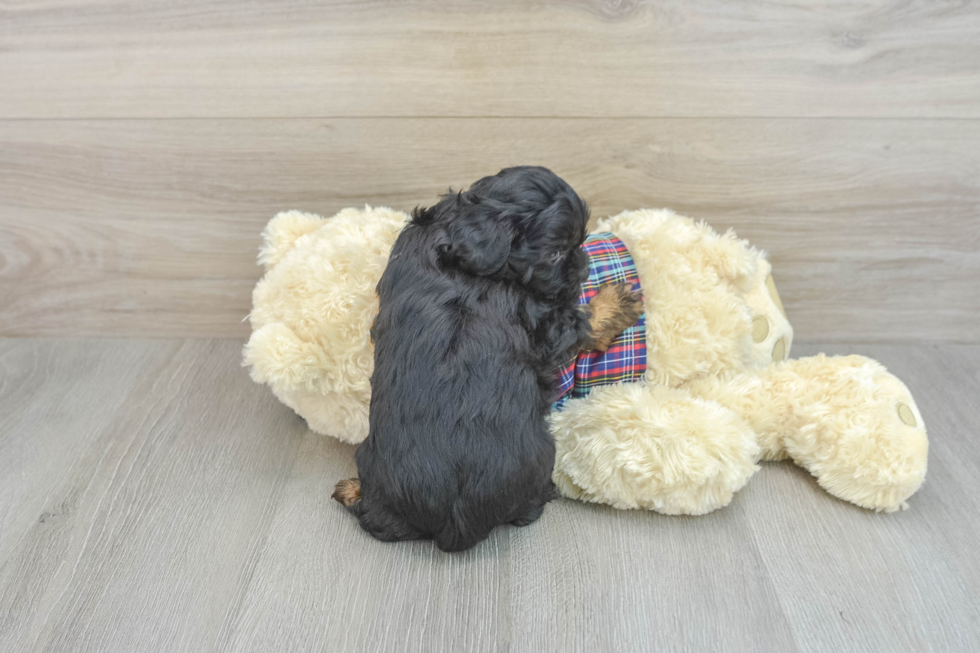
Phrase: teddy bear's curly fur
[719,395]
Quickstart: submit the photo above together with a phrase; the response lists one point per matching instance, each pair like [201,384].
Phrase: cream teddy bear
[718,396]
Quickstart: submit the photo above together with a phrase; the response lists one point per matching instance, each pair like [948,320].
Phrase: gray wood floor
[153,499]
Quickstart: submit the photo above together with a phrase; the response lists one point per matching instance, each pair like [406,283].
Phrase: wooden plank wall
[143,145]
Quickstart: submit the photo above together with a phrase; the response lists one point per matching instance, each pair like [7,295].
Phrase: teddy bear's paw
[772,334]
[652,447]
[859,431]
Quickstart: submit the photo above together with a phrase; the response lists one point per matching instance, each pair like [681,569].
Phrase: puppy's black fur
[477,312]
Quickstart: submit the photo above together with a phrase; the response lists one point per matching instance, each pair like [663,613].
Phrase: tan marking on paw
[905,414]
[760,328]
[347,492]
[613,309]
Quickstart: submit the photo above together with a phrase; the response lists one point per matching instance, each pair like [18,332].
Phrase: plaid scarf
[626,359]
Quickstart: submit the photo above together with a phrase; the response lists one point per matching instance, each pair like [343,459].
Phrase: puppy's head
[523,225]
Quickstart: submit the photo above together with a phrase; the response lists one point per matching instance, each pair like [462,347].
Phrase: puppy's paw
[614,308]
[629,304]
[529,518]
[347,492]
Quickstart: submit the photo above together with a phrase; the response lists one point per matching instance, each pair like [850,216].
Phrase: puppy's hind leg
[531,516]
[347,492]
[376,520]
[534,510]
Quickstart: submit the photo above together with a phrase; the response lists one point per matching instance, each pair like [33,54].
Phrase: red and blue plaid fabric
[626,359]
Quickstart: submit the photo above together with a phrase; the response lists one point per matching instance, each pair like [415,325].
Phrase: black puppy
[477,313]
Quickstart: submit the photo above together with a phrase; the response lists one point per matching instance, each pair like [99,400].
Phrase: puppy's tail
[348,493]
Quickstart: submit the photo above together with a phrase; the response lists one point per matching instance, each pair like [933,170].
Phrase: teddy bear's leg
[635,445]
[846,420]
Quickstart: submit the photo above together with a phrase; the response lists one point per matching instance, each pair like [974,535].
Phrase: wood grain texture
[150,228]
[599,58]
[153,498]
[146,530]
[177,506]
[834,566]
[38,451]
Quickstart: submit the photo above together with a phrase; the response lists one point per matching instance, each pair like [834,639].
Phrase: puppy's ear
[477,247]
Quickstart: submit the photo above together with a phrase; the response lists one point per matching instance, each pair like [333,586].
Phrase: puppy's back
[457,443]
